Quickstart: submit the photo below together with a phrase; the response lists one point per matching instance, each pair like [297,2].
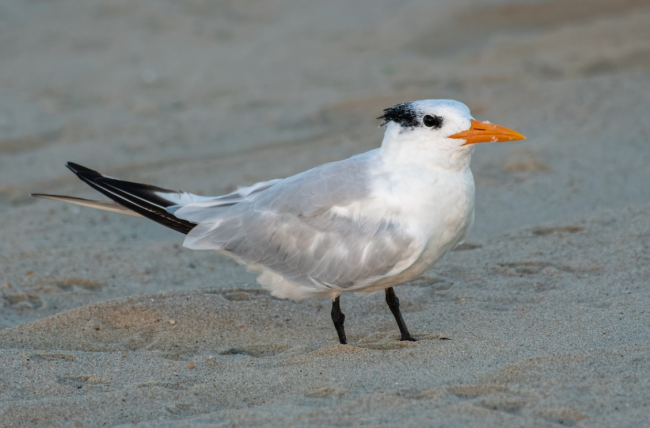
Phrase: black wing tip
[141,198]
[80,169]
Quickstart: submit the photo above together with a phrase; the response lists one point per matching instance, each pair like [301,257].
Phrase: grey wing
[208,208]
[291,229]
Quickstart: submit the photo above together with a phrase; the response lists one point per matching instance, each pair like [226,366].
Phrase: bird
[363,224]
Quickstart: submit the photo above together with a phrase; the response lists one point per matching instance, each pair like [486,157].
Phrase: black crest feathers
[402,114]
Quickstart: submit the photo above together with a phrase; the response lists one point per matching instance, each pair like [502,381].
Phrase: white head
[438,131]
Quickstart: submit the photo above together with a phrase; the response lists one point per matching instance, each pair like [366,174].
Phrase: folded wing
[294,228]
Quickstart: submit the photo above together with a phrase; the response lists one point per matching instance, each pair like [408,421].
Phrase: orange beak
[481,132]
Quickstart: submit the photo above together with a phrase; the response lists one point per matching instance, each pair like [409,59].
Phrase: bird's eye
[432,121]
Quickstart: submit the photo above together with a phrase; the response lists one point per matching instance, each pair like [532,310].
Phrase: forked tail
[131,198]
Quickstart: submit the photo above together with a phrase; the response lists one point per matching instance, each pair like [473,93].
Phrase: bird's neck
[401,151]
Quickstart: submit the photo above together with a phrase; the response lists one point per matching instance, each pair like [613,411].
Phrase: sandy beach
[541,319]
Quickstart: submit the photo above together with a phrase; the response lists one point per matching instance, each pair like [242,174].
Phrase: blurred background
[546,304]
[206,95]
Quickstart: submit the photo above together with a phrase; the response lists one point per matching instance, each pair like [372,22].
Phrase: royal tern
[367,223]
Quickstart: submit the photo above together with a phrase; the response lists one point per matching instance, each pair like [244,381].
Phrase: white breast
[435,206]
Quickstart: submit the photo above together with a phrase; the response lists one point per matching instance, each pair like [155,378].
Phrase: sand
[541,319]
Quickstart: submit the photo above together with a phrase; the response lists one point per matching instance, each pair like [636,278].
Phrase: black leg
[339,319]
[393,304]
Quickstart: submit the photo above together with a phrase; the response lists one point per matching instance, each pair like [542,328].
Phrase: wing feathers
[99,205]
[130,198]
[144,199]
